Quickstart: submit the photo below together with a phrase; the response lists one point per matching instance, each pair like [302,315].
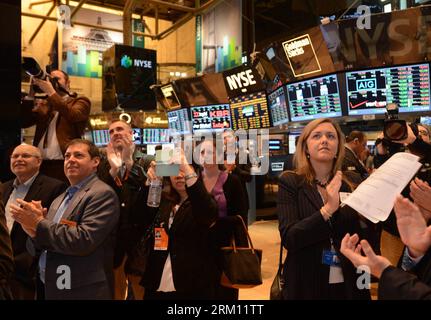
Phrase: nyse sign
[242,80]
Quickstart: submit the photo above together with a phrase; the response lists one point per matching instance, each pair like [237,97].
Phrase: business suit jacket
[397,284]
[87,248]
[6,260]
[45,189]
[305,234]
[72,119]
[133,221]
[353,168]
[193,266]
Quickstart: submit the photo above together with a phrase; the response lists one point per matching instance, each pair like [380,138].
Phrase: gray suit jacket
[86,249]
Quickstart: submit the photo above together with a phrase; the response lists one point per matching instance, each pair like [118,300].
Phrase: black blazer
[193,266]
[134,219]
[353,168]
[45,189]
[397,284]
[305,234]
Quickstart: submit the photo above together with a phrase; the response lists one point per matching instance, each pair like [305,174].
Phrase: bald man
[29,184]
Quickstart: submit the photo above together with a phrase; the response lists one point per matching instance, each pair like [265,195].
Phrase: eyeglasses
[23,155]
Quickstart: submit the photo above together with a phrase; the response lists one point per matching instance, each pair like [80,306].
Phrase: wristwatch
[190,176]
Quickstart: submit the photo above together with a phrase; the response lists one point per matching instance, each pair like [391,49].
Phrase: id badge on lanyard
[161,239]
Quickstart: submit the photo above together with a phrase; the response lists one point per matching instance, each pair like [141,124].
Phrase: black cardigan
[305,234]
[193,265]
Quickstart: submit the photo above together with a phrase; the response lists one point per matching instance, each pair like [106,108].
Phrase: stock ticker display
[179,121]
[278,107]
[314,98]
[151,136]
[250,111]
[211,118]
[369,91]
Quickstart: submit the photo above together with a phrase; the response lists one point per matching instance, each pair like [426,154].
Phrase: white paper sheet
[374,198]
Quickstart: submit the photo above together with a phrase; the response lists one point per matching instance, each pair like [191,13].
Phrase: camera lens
[395,130]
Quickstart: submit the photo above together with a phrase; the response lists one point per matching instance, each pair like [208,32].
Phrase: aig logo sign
[366,84]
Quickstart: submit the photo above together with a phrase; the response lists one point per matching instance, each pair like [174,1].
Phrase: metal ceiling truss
[128,9]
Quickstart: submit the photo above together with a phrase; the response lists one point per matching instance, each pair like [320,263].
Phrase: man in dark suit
[127,178]
[29,185]
[6,263]
[77,235]
[355,148]
[59,118]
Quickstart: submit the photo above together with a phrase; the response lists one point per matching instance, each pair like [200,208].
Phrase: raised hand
[333,195]
[420,192]
[352,251]
[412,227]
[114,159]
[45,86]
[127,152]
[28,214]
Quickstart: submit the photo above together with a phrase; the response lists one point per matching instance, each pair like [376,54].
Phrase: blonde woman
[311,221]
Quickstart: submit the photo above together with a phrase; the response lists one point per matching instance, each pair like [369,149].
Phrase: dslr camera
[394,128]
[32,68]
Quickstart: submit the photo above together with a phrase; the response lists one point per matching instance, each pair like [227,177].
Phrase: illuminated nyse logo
[366,84]
[127,62]
[241,80]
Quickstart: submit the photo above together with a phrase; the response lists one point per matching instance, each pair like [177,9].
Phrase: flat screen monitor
[278,164]
[179,122]
[275,144]
[155,136]
[369,91]
[314,98]
[278,107]
[211,118]
[101,137]
[426,121]
[250,111]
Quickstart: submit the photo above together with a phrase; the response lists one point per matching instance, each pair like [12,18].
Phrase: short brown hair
[355,135]
[92,149]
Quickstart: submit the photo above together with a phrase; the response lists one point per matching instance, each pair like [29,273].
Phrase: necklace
[319,183]
[323,184]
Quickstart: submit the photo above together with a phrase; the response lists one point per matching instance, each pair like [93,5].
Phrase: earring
[308,156]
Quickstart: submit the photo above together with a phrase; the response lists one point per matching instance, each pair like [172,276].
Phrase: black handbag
[276,292]
[241,265]
[136,262]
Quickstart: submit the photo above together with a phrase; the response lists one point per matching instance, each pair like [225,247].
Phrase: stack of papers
[374,198]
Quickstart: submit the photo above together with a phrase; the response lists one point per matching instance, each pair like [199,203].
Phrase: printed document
[374,198]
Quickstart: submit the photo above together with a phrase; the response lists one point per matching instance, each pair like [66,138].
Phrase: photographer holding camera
[59,117]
